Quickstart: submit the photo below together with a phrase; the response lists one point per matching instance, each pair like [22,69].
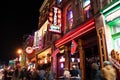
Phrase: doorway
[91,56]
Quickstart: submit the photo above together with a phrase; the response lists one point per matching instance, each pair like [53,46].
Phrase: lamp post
[22,57]
[36,55]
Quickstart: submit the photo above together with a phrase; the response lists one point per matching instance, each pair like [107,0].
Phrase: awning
[112,7]
[44,53]
[82,29]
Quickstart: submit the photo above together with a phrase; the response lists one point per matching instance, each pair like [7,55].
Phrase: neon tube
[75,33]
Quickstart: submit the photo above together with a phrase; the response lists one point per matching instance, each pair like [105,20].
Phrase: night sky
[17,18]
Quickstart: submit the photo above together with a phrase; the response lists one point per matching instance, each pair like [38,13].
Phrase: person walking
[75,73]
[108,72]
[16,73]
[42,74]
[34,74]
[51,75]
[79,73]
[95,72]
[66,74]
[23,73]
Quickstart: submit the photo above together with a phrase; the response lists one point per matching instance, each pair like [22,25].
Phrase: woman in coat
[108,71]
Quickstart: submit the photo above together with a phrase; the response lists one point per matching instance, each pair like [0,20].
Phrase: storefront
[111,15]
[84,41]
[44,58]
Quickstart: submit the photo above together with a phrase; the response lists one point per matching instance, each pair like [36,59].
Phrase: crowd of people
[108,72]
[22,73]
[74,73]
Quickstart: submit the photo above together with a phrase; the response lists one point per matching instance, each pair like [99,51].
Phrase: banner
[38,40]
[73,47]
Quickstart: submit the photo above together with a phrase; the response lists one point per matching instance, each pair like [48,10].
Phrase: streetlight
[18,59]
[22,57]
[19,51]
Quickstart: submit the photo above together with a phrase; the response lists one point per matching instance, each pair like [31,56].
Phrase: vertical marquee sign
[55,20]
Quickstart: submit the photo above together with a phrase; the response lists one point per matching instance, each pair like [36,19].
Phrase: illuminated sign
[88,26]
[29,50]
[55,20]
[62,59]
[55,28]
[113,15]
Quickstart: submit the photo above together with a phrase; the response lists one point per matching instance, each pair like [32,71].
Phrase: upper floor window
[117,44]
[86,2]
[59,1]
[70,18]
[116,29]
[87,9]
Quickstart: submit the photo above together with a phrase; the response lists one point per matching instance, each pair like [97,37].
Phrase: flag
[73,46]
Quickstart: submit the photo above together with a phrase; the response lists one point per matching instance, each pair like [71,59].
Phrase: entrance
[91,56]
[60,64]
[91,53]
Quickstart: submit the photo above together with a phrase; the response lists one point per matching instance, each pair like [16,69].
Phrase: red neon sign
[55,20]
[88,26]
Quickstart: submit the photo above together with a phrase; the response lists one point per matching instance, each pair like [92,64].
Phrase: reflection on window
[70,14]
[87,12]
[70,18]
[86,2]
[117,44]
[59,1]
[116,29]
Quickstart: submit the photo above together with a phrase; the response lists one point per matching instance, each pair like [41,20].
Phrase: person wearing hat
[95,72]
[108,72]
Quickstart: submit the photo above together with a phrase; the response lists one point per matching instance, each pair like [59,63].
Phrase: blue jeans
[41,78]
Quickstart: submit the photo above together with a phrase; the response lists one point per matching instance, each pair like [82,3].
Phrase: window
[86,2]
[117,44]
[87,9]
[116,29]
[69,18]
[59,1]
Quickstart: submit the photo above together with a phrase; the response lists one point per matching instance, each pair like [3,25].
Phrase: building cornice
[43,5]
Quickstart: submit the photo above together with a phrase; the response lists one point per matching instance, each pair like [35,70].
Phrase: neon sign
[62,59]
[55,20]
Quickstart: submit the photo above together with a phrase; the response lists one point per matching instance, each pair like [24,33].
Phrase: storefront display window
[74,59]
[60,64]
